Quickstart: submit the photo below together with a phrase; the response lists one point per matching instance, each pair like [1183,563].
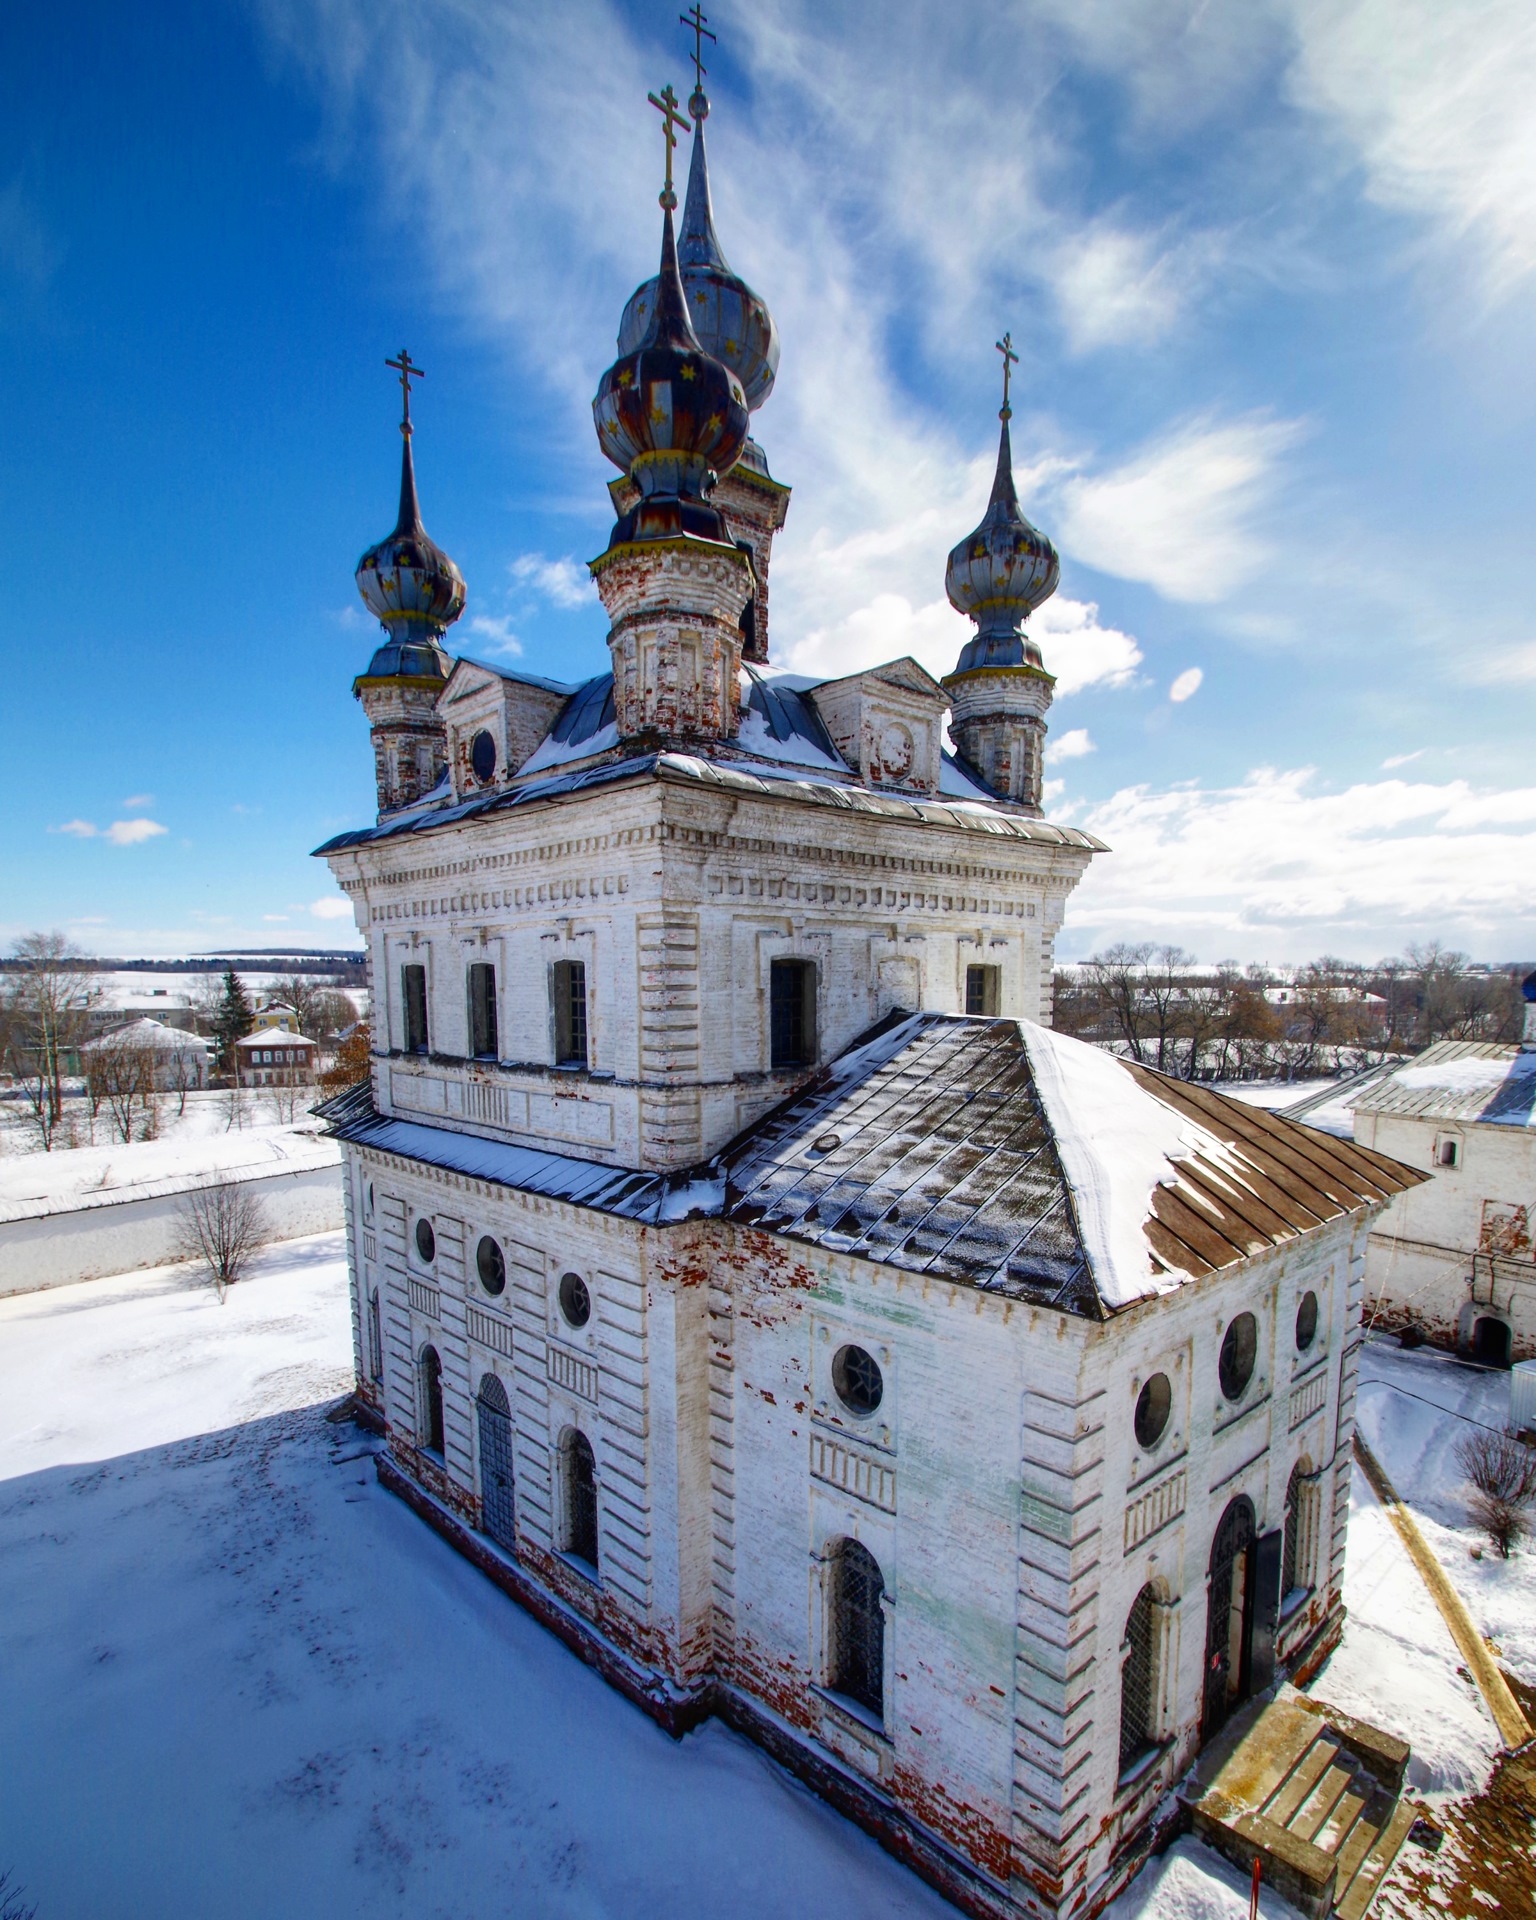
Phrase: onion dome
[411,587]
[731,322]
[672,416]
[1000,573]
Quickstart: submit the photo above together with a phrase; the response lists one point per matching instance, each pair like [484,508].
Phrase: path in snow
[243,1680]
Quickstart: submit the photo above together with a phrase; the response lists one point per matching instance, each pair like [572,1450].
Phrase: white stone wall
[678,906]
[1420,1262]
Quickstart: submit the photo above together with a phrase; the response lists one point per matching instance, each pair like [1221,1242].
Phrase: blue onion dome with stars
[999,574]
[672,416]
[408,583]
[731,321]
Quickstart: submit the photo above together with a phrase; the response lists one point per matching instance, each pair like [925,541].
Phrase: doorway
[1491,1342]
[1229,1616]
[495,1419]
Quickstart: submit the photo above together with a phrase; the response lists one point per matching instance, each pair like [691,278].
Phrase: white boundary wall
[139,1230]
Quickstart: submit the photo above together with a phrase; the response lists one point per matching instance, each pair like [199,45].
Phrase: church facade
[743,1272]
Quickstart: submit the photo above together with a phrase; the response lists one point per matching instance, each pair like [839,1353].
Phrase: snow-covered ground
[243,1680]
[206,1116]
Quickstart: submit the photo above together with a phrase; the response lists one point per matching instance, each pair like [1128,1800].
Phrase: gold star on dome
[627,377]
[658,412]
[690,373]
[714,423]
[730,346]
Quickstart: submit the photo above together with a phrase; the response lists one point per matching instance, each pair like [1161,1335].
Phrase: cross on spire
[665,104]
[408,371]
[1010,361]
[695,20]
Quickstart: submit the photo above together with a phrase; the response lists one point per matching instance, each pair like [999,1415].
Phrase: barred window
[857,1665]
[1293,1571]
[568,988]
[1136,1664]
[431,1411]
[579,1472]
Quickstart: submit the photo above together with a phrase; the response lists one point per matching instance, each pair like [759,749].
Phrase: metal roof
[1468,1080]
[930,1149]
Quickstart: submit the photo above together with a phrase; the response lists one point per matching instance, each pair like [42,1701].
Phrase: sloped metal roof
[930,1148]
[1468,1080]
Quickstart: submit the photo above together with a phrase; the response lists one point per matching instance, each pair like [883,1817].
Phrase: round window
[1153,1405]
[492,1265]
[482,755]
[1306,1322]
[856,1380]
[426,1241]
[575,1301]
[1239,1350]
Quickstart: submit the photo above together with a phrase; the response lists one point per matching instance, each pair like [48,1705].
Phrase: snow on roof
[999,1153]
[148,1033]
[274,1037]
[1469,1080]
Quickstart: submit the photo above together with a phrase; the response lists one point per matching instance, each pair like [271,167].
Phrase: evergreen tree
[232,1022]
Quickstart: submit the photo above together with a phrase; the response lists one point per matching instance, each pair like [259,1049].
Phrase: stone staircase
[1315,1794]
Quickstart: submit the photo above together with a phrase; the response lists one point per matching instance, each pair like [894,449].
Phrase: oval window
[492,1265]
[1239,1350]
[575,1301]
[1153,1405]
[856,1380]
[482,755]
[1306,1321]
[426,1242]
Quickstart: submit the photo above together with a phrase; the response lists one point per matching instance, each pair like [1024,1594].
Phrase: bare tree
[120,1072]
[221,1225]
[13,1903]
[48,998]
[1501,1471]
[353,1062]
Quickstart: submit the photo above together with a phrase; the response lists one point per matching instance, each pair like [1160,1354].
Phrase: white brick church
[744,1273]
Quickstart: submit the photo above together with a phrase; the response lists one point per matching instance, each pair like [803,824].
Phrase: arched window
[431,1404]
[1136,1678]
[579,1475]
[493,1413]
[1295,1554]
[857,1664]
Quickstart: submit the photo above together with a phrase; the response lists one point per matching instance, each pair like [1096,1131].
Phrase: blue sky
[1272,268]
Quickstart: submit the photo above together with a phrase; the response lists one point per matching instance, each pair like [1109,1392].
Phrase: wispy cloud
[331,907]
[136,801]
[493,632]
[564,582]
[1186,686]
[121,833]
[1401,759]
[1071,745]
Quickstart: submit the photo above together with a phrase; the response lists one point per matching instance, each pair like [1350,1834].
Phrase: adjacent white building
[744,1274]
[1455,1256]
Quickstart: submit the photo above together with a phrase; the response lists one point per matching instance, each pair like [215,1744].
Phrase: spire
[410,509]
[670,325]
[700,243]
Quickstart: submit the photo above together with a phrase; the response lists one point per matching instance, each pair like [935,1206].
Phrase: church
[744,1274]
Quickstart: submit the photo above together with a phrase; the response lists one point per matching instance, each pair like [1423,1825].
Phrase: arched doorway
[494,1415]
[1229,1616]
[1491,1342]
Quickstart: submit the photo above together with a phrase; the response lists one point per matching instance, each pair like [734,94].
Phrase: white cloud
[1069,746]
[332,907]
[1278,868]
[1186,686]
[1181,513]
[275,919]
[1116,287]
[564,582]
[496,630]
[137,800]
[122,833]
[1436,99]
[1401,759]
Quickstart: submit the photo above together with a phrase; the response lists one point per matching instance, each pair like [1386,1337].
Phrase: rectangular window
[792,1013]
[569,986]
[981,991]
[413,992]
[375,1338]
[482,1011]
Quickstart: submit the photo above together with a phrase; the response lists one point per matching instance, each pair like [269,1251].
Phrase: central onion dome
[412,588]
[1000,573]
[731,321]
[672,416]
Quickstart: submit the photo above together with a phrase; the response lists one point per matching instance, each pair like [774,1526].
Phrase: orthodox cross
[701,33]
[665,104]
[1010,361]
[408,371]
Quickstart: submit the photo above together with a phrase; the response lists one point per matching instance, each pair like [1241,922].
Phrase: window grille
[580,1498]
[856,1380]
[858,1628]
[569,988]
[981,991]
[494,1414]
[413,995]
[1136,1671]
[482,1011]
[1292,1572]
[431,1400]
[792,1013]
